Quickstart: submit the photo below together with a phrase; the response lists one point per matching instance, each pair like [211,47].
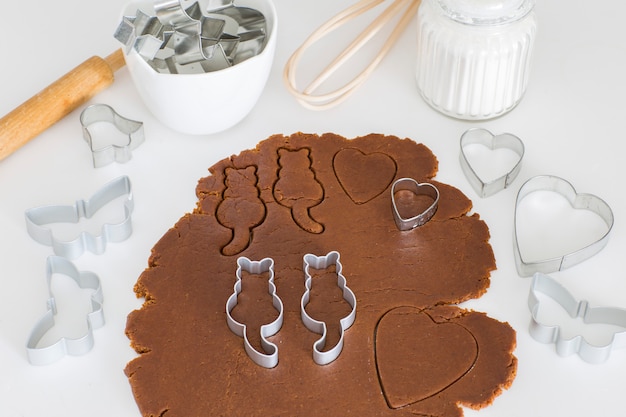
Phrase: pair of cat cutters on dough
[493,142]
[268,358]
[546,333]
[321,356]
[39,220]
[409,184]
[577,200]
[45,355]
[104,155]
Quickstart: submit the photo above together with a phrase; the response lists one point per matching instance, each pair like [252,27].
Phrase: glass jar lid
[486,12]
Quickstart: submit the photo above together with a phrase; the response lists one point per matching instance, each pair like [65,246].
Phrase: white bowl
[201,104]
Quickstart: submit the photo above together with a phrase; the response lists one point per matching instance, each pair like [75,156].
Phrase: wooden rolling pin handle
[56,101]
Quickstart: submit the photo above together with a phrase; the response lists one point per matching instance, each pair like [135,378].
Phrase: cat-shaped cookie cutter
[545,333]
[45,355]
[38,219]
[320,356]
[269,358]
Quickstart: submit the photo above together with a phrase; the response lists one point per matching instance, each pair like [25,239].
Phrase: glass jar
[473,56]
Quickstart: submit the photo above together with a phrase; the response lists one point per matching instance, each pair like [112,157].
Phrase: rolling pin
[56,101]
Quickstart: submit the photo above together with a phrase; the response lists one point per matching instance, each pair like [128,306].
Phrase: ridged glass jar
[473,56]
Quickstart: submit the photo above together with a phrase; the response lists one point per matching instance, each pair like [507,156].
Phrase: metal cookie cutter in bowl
[213,36]
[409,184]
[38,219]
[322,262]
[65,346]
[577,201]
[141,32]
[121,153]
[269,359]
[544,333]
[486,138]
[177,12]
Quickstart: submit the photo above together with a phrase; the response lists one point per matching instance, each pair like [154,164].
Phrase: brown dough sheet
[301,194]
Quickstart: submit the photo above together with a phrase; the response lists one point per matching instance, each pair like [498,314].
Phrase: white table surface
[571,120]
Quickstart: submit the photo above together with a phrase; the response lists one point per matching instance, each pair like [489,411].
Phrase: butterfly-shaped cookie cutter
[65,346]
[320,356]
[485,138]
[268,358]
[412,185]
[578,201]
[38,219]
[545,333]
[111,153]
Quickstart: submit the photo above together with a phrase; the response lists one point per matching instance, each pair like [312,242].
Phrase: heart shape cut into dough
[363,176]
[577,201]
[485,138]
[417,358]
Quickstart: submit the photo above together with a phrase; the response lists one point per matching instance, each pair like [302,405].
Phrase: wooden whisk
[306,97]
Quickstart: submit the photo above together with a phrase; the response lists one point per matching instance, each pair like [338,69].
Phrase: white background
[571,121]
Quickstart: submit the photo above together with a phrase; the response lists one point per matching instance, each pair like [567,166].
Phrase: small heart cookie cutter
[38,218]
[544,333]
[477,136]
[322,262]
[65,346]
[269,358]
[105,155]
[424,188]
[578,201]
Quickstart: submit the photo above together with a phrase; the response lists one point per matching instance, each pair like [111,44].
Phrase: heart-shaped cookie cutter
[119,153]
[38,219]
[309,260]
[422,218]
[65,346]
[477,136]
[545,333]
[578,201]
[269,358]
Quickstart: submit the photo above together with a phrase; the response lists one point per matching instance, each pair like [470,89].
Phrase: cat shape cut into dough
[411,350]
[241,210]
[297,188]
